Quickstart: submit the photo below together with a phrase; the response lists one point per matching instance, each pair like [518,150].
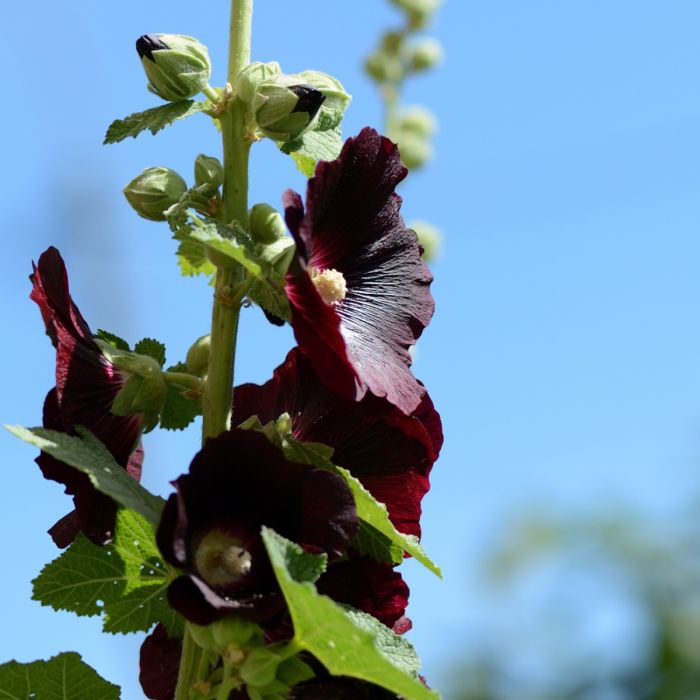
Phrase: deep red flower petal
[389,452]
[160,664]
[352,224]
[237,483]
[367,585]
[86,385]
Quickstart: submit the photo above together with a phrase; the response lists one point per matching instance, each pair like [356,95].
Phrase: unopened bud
[266,224]
[177,66]
[279,255]
[283,112]
[336,99]
[384,67]
[197,359]
[418,121]
[429,237]
[154,191]
[208,171]
[425,54]
[419,11]
[415,151]
[252,76]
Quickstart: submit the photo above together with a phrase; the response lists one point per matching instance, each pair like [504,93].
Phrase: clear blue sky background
[564,355]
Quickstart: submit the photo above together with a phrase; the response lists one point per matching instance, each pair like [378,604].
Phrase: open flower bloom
[390,452]
[210,528]
[86,385]
[359,294]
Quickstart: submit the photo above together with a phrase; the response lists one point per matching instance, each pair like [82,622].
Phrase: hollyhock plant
[271,572]
[210,529]
[389,452]
[360,294]
[86,386]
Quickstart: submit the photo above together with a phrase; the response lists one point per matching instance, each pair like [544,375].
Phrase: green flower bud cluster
[412,130]
[177,66]
[284,106]
[157,190]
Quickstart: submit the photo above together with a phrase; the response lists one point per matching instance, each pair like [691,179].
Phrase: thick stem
[187,666]
[216,401]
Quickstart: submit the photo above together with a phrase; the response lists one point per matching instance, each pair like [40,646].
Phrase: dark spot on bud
[274,320]
[310,99]
[147,44]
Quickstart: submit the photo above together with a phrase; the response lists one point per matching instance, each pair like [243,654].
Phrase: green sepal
[337,99]
[63,677]
[293,670]
[87,454]
[153,119]
[125,581]
[345,645]
[227,246]
[114,340]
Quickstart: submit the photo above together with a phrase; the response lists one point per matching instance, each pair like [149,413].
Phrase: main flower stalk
[216,400]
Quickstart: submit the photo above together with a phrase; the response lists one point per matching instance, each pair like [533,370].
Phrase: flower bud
[266,224]
[252,76]
[208,171]
[177,66]
[197,359]
[429,237]
[282,111]
[384,67]
[279,255]
[419,11]
[154,191]
[417,121]
[425,54]
[336,99]
[415,151]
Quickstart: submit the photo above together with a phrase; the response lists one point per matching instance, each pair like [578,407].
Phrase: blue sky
[564,352]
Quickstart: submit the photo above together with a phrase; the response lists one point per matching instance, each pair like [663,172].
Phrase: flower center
[221,559]
[330,284]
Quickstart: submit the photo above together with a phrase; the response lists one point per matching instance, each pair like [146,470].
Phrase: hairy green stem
[218,388]
[216,401]
[187,666]
[187,381]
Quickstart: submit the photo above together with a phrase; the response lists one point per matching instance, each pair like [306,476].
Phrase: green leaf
[153,119]
[152,348]
[270,297]
[231,241]
[125,580]
[314,146]
[88,455]
[114,340]
[373,513]
[372,543]
[178,411]
[343,643]
[193,259]
[63,677]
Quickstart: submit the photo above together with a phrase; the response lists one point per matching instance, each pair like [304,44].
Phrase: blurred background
[564,354]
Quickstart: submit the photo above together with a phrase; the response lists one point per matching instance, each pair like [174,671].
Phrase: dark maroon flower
[328,687]
[86,385]
[159,663]
[360,293]
[389,452]
[210,528]
[370,586]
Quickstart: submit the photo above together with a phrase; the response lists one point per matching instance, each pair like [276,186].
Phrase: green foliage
[125,580]
[63,677]
[178,411]
[271,297]
[114,340]
[152,348]
[313,146]
[192,257]
[88,455]
[378,536]
[232,243]
[345,643]
[153,119]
